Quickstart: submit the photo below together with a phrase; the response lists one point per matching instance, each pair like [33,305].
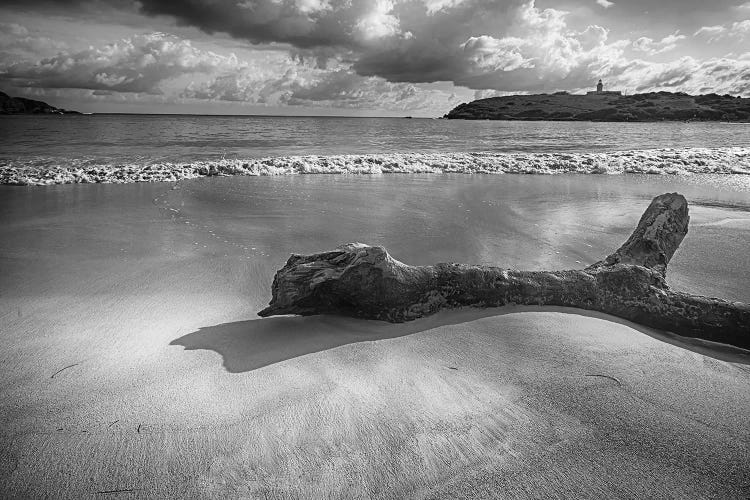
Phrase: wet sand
[131,358]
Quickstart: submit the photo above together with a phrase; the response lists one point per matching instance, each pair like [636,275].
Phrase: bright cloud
[378,23]
[738,30]
[434,6]
[653,47]
[136,64]
[315,88]
[687,74]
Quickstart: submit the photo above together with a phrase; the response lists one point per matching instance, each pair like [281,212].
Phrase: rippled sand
[131,358]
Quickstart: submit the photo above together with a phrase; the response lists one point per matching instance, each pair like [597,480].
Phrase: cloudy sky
[361,57]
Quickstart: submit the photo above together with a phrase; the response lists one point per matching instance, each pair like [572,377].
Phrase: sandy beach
[133,365]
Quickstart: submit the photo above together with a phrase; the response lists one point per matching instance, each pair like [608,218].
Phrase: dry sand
[130,360]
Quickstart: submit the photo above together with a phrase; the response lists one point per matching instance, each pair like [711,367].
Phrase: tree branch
[366,282]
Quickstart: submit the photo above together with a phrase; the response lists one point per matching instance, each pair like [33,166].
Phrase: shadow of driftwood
[253,344]
[249,345]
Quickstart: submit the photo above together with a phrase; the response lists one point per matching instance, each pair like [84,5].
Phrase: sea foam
[46,171]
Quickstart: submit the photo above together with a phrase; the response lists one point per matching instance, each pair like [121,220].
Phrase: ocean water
[128,148]
[423,217]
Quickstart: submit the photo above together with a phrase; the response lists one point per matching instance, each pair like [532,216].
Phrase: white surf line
[675,161]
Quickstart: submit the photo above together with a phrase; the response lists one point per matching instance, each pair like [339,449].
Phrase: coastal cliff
[607,107]
[22,106]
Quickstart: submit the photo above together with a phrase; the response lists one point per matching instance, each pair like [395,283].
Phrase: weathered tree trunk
[365,282]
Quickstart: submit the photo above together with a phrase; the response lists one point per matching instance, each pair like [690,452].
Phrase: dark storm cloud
[408,41]
[258,21]
[480,44]
[253,21]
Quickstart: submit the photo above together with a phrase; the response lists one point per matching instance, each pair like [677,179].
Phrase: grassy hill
[654,106]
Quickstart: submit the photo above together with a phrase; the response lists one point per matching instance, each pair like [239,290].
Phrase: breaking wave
[47,171]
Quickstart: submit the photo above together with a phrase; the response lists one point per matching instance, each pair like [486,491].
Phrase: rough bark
[366,282]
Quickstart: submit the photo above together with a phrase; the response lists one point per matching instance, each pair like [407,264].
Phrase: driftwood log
[366,282]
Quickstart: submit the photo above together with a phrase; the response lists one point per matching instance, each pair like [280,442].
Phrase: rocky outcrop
[366,282]
[653,106]
[22,106]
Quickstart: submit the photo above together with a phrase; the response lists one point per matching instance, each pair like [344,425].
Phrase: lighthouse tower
[600,90]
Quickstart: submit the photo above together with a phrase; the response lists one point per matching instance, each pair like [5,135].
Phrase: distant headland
[607,106]
[22,106]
